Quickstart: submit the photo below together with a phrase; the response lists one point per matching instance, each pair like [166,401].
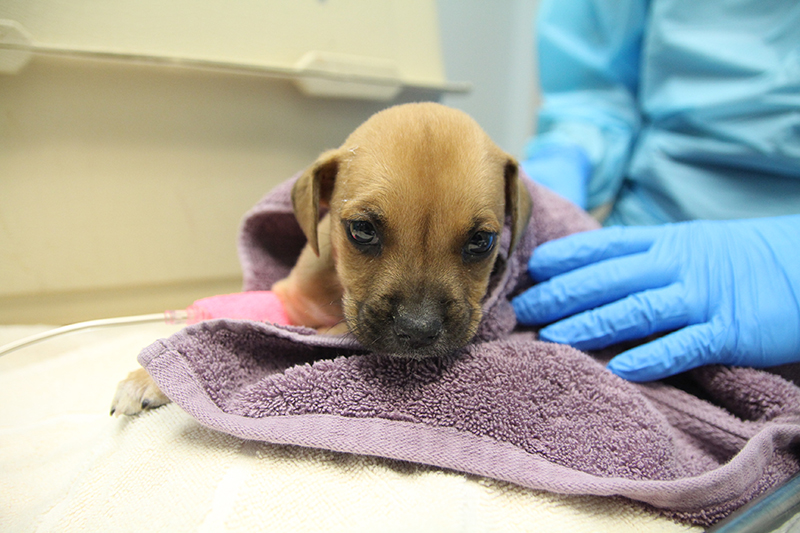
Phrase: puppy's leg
[136,393]
[312,295]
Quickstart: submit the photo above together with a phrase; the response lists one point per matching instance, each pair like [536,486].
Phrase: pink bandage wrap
[261,306]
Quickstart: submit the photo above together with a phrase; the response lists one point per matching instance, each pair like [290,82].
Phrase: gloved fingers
[677,352]
[589,287]
[581,249]
[634,317]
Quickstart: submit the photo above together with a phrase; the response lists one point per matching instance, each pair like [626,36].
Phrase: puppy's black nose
[417,326]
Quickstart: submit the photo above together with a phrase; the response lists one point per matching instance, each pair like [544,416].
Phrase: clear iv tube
[169,317]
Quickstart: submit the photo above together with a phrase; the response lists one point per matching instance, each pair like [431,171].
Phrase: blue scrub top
[686,109]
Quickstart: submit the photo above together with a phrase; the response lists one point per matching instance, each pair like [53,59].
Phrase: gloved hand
[562,168]
[730,289]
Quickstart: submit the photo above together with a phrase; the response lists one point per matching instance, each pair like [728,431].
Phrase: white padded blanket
[68,466]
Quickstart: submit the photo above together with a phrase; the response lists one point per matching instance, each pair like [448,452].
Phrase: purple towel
[508,406]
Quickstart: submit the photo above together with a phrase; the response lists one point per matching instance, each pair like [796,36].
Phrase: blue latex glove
[730,289]
[562,168]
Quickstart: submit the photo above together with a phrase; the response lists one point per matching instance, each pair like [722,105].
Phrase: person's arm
[588,67]
[724,292]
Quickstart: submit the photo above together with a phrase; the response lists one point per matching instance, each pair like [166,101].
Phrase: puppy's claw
[136,393]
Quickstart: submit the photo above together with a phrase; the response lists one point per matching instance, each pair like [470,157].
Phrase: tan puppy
[417,198]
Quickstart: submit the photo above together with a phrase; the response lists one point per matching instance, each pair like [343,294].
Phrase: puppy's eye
[362,233]
[479,245]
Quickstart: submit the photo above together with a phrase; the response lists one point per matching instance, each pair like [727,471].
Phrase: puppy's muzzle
[417,326]
[414,328]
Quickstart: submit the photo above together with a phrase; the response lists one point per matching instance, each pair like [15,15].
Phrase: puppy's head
[418,197]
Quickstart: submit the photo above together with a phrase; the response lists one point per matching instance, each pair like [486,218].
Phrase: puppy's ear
[313,190]
[518,202]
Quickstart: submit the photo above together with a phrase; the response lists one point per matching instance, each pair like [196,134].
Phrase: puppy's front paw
[136,393]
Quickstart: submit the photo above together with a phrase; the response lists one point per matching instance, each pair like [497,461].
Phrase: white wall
[490,43]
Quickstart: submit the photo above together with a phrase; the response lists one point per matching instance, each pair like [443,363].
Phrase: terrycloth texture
[66,466]
[510,407]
